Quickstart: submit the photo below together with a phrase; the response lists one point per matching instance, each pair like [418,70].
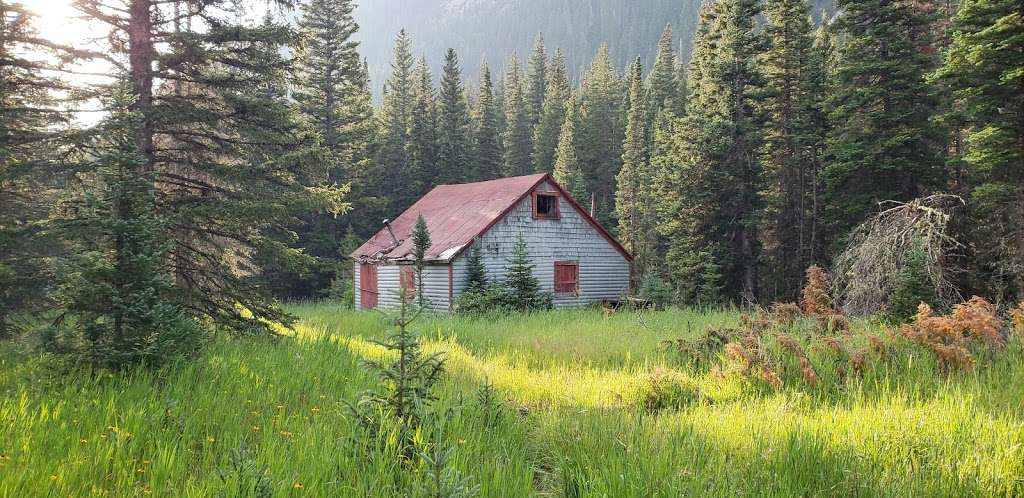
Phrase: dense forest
[238,162]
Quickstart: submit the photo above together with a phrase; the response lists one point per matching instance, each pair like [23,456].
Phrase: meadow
[590,405]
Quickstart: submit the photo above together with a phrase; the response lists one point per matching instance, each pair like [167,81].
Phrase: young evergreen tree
[567,171]
[518,133]
[633,199]
[396,119]
[663,82]
[523,287]
[536,84]
[882,144]
[476,272]
[420,245]
[421,173]
[984,69]
[793,141]
[453,123]
[552,116]
[487,157]
[600,132]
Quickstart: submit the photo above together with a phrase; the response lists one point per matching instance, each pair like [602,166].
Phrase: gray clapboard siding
[435,286]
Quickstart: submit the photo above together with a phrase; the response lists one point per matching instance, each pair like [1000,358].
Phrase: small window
[545,206]
[567,277]
[407,279]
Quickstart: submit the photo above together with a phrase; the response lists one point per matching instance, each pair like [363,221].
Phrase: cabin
[574,257]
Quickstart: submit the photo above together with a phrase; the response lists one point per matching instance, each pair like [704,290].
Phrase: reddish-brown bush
[951,336]
[815,299]
[786,313]
[1017,318]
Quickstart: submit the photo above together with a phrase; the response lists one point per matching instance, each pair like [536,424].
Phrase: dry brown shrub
[950,337]
[879,346]
[1017,318]
[786,313]
[857,360]
[749,358]
[815,299]
[810,376]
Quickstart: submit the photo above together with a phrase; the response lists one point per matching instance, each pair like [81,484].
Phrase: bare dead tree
[867,271]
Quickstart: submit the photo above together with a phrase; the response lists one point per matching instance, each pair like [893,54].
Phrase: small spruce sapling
[524,289]
[421,244]
[476,273]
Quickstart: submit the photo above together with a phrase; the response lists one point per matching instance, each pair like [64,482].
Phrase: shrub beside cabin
[574,257]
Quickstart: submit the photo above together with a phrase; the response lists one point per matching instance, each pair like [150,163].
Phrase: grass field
[577,419]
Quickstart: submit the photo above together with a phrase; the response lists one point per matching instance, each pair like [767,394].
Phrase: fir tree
[396,117]
[600,132]
[536,84]
[548,129]
[420,245]
[523,287]
[663,82]
[793,133]
[881,145]
[984,69]
[421,173]
[455,145]
[487,157]
[567,171]
[633,199]
[476,272]
[518,134]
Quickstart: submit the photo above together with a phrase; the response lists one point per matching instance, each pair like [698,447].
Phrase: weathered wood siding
[435,286]
[603,271]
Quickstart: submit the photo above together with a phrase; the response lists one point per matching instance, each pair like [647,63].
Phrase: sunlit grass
[574,382]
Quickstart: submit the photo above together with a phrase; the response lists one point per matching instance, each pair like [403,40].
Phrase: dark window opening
[545,206]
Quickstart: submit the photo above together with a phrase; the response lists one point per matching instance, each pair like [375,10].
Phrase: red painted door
[368,286]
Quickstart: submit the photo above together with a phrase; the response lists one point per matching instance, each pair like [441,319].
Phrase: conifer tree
[453,123]
[421,173]
[476,272]
[567,171]
[396,118]
[984,69]
[793,133]
[536,84]
[633,199]
[420,245]
[549,125]
[523,287]
[487,157]
[881,145]
[600,132]
[662,82]
[518,133]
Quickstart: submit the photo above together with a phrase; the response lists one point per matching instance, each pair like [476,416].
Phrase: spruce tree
[487,157]
[396,119]
[518,133]
[794,139]
[881,145]
[453,122]
[984,71]
[633,199]
[536,84]
[549,125]
[421,173]
[600,132]
[567,171]
[523,287]
[663,83]
[476,272]
[420,245]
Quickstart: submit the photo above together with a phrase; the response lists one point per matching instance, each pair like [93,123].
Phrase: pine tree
[794,128]
[567,171]
[633,199]
[881,145]
[709,176]
[523,287]
[420,245]
[518,133]
[487,157]
[453,123]
[549,125]
[396,117]
[662,82]
[536,84]
[600,132]
[421,173]
[231,159]
[984,69]
[476,272]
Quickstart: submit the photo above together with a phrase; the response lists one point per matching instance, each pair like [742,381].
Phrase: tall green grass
[576,423]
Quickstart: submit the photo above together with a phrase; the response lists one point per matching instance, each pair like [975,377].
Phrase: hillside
[493,29]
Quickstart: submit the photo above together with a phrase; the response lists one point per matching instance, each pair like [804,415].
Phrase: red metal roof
[458,214]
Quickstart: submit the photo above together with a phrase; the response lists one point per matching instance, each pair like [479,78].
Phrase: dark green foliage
[552,115]
[492,297]
[913,287]
[523,287]
[113,290]
[476,272]
[663,82]
[655,289]
[983,71]
[421,174]
[455,144]
[882,144]
[634,200]
[710,291]
[567,171]
[245,476]
[441,479]
[599,133]
[535,88]
[487,156]
[518,133]
[396,118]
[420,245]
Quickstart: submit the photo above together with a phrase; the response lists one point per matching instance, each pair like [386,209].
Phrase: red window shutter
[567,277]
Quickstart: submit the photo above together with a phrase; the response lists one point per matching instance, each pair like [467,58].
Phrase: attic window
[545,206]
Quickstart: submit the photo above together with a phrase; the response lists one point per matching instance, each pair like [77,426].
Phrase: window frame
[536,205]
[407,275]
[563,291]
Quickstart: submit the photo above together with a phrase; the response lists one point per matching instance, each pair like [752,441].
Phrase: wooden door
[368,286]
